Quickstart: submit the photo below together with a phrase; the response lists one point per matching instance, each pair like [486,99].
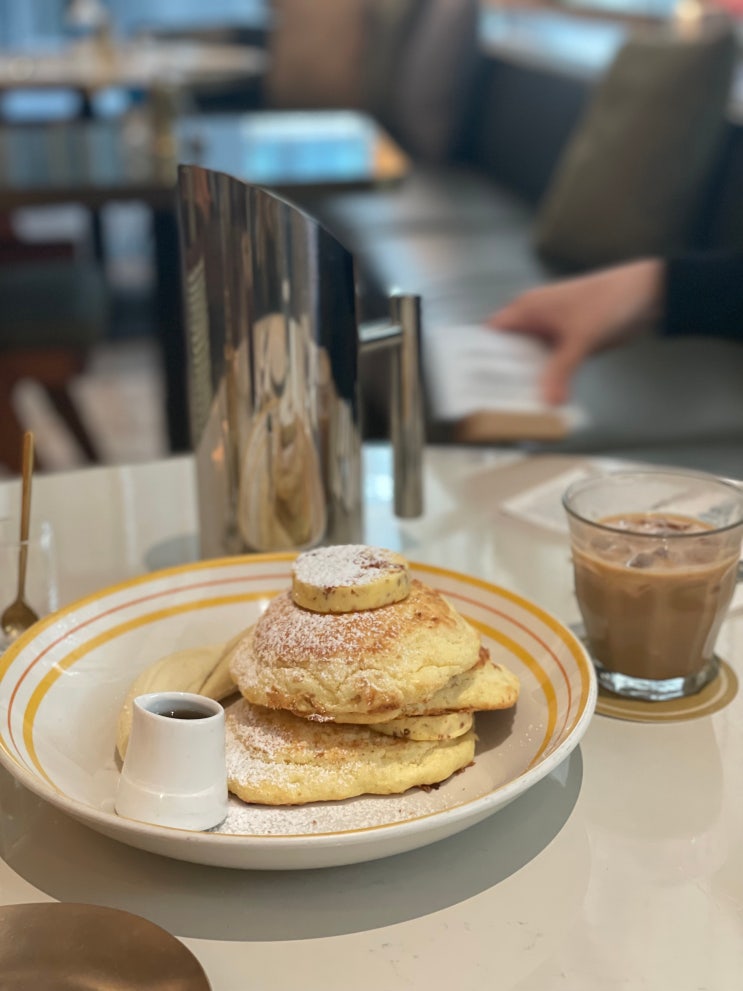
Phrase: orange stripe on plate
[539,673]
[44,686]
[18,645]
[39,693]
[68,631]
[570,641]
[51,677]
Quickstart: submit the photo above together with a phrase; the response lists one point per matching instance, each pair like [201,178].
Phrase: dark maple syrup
[185,713]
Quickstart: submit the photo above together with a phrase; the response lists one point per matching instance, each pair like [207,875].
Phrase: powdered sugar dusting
[497,761]
[345,565]
[376,661]
[316,818]
[287,632]
[272,736]
[326,817]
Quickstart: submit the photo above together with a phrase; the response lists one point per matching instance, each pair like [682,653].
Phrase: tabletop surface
[623,869]
[135,155]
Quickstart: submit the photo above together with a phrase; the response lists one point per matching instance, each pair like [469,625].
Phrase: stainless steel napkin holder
[273,341]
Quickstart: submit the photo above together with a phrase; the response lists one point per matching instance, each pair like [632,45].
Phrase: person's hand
[582,315]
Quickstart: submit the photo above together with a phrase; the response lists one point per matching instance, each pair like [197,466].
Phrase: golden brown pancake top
[369,661]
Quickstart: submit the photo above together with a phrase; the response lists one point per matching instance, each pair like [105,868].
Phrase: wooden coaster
[711,698]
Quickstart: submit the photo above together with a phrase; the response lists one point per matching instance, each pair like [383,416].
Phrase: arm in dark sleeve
[704,295]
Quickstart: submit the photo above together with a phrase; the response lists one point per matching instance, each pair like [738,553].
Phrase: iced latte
[653,584]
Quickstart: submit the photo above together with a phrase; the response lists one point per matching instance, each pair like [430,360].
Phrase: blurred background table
[621,869]
[138,64]
[95,162]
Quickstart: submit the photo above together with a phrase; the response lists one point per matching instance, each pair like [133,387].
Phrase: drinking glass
[42,585]
[656,557]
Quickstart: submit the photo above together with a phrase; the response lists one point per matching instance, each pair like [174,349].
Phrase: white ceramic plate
[61,686]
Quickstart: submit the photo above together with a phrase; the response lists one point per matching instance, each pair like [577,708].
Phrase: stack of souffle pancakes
[356,680]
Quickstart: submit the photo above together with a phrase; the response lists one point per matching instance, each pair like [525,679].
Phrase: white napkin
[542,504]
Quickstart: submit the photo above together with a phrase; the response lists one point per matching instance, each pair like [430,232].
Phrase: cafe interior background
[529,138]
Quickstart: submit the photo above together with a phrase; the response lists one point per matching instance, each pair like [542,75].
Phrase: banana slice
[203,670]
[349,578]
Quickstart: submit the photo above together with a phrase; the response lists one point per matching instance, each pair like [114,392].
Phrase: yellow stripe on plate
[212,563]
[61,666]
[539,673]
[571,642]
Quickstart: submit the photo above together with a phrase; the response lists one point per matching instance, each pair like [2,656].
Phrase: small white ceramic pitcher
[174,773]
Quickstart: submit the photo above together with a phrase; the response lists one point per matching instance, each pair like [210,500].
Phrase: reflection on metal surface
[273,343]
[66,945]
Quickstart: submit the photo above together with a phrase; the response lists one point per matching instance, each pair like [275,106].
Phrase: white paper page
[472,368]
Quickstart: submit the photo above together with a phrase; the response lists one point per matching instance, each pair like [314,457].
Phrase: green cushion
[52,304]
[634,171]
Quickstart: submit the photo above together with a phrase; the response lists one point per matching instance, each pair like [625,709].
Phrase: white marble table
[621,870]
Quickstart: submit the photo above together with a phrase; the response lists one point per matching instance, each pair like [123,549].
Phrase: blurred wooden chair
[53,309]
[409,63]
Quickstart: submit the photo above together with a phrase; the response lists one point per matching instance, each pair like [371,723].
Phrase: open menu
[486,381]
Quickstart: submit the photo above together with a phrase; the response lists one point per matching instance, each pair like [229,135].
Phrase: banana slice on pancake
[349,578]
[202,670]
